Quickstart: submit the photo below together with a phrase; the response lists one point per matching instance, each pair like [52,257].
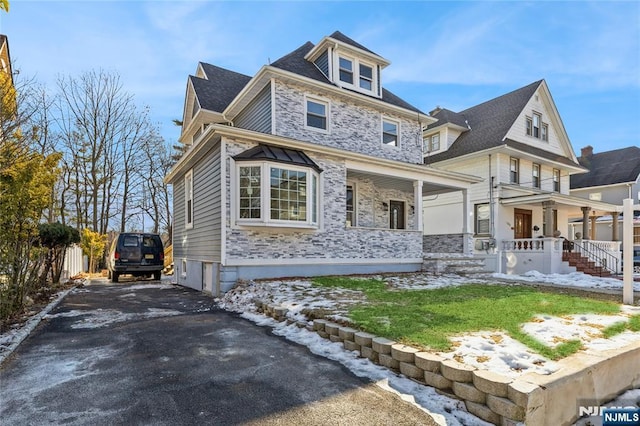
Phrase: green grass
[428,318]
[619,327]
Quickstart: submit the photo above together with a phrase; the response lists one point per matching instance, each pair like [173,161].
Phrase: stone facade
[333,239]
[352,127]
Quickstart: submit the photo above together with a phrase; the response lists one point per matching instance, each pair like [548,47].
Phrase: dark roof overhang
[278,155]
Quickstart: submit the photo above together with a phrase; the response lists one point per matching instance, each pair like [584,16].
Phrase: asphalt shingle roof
[609,167]
[220,87]
[294,62]
[489,123]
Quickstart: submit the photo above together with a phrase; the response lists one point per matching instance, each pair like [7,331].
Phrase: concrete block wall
[533,398]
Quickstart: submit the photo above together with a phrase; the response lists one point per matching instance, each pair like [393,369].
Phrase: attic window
[346,70]
[356,74]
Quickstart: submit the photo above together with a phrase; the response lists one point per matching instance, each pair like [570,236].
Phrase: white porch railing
[544,255]
[528,244]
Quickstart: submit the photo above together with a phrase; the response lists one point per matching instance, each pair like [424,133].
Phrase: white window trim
[397,123]
[354,222]
[327,105]
[265,198]
[356,74]
[188,177]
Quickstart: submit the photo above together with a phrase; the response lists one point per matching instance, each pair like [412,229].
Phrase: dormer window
[366,77]
[346,70]
[357,75]
[431,143]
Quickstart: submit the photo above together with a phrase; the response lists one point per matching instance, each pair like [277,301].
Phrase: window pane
[435,142]
[482,218]
[389,133]
[366,77]
[249,191]
[316,108]
[316,115]
[346,70]
[291,201]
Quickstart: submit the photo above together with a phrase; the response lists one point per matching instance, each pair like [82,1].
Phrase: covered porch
[378,198]
[554,247]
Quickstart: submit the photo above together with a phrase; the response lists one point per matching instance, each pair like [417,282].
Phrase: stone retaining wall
[532,398]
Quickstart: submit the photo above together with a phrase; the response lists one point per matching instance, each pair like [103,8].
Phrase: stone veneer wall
[333,240]
[352,127]
[533,398]
[444,243]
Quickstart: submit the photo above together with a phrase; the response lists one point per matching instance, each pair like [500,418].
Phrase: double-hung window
[536,125]
[390,132]
[514,170]
[351,202]
[357,75]
[276,194]
[536,175]
[483,218]
[317,114]
[556,180]
[188,199]
[346,70]
[366,77]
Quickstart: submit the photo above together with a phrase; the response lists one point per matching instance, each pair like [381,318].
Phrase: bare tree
[157,198]
[101,128]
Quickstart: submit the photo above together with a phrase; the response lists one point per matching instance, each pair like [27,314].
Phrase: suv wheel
[114,277]
[156,275]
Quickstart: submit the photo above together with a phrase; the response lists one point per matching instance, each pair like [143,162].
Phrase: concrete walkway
[149,353]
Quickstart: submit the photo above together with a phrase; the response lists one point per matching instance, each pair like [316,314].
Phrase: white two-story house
[309,167]
[518,144]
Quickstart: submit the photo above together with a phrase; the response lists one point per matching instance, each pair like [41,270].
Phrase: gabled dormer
[438,136]
[348,64]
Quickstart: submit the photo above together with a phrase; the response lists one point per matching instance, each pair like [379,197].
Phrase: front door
[522,223]
[396,214]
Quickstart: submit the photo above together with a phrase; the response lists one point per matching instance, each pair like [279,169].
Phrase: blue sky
[451,54]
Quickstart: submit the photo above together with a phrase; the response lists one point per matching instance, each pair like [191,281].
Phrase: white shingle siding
[351,127]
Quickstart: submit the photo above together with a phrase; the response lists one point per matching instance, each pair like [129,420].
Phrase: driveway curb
[33,322]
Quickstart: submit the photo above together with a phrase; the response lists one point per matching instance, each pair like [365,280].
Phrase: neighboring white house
[613,176]
[518,144]
[310,167]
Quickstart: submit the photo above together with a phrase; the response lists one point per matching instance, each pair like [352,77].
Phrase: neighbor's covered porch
[555,248]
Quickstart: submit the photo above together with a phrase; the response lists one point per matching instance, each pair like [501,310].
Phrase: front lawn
[427,318]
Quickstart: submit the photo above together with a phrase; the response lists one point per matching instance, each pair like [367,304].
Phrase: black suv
[135,253]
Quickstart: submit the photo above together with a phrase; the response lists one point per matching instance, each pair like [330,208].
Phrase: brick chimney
[586,152]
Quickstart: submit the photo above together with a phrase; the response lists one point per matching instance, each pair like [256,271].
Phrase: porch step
[584,265]
[452,264]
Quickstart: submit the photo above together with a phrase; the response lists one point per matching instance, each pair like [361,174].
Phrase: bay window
[276,194]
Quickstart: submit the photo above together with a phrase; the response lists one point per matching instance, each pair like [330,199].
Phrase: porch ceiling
[562,200]
[392,182]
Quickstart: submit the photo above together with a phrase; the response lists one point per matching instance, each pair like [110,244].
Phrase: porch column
[467,240]
[548,217]
[593,227]
[614,226]
[585,222]
[417,202]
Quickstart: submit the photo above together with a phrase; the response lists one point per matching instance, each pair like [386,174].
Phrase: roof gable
[219,88]
[608,168]
[490,123]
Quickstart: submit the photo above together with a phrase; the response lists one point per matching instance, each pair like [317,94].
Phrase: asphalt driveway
[155,354]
